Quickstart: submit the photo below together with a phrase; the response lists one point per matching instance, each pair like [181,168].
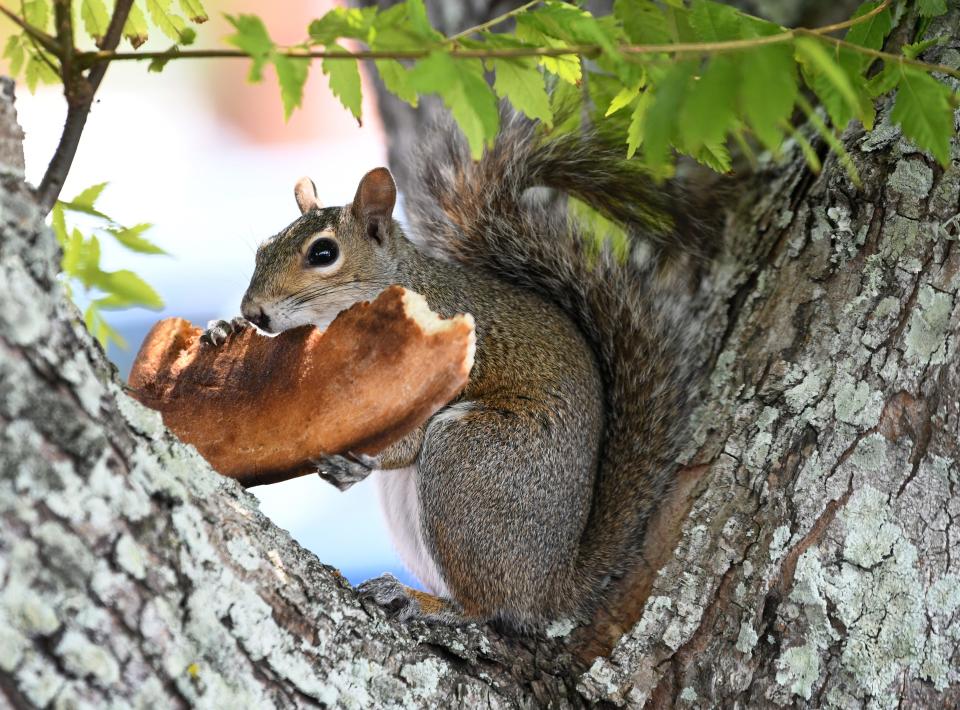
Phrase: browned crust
[260,408]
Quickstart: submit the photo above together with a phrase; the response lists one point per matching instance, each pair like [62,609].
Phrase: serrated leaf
[37,13]
[710,107]
[931,8]
[38,70]
[624,98]
[291,75]
[87,199]
[830,81]
[342,22]
[135,28]
[344,78]
[521,83]
[914,50]
[768,90]
[396,78]
[884,81]
[127,286]
[870,33]
[637,120]
[922,108]
[132,238]
[96,19]
[643,21]
[13,51]
[713,22]
[171,24]
[194,10]
[252,38]
[464,90]
[566,67]
[715,156]
[660,125]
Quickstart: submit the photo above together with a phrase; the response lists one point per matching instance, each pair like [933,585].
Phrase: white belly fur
[397,490]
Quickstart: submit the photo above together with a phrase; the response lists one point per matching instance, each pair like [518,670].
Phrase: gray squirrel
[521,500]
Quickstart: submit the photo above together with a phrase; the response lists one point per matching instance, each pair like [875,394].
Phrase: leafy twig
[494,22]
[79,92]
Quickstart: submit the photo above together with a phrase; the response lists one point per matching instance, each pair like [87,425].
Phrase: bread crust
[260,409]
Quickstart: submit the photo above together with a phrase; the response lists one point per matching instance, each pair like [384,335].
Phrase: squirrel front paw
[403,603]
[218,331]
[344,471]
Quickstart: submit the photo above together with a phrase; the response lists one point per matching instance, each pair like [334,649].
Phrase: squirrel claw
[387,592]
[344,471]
[218,331]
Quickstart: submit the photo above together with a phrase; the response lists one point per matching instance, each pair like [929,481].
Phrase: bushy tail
[638,325]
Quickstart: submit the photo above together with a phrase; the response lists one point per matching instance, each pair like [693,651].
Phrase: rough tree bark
[809,554]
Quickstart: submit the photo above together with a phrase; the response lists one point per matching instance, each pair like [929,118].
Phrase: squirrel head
[327,260]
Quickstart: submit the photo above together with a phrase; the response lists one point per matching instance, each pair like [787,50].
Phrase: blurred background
[209,160]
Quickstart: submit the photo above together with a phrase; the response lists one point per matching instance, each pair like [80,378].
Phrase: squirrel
[522,499]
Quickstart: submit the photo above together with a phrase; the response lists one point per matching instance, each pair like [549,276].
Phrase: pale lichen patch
[130,557]
[926,336]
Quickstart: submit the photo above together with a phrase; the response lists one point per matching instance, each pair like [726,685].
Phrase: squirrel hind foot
[404,603]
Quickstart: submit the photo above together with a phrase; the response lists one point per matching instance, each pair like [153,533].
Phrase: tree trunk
[807,555]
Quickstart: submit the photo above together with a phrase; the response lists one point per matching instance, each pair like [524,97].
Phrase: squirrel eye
[323,252]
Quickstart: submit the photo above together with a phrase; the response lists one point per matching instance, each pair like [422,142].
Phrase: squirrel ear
[374,201]
[306,193]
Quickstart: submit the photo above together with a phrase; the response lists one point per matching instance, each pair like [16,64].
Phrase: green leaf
[342,22]
[38,69]
[931,8]
[884,81]
[922,108]
[135,28]
[623,98]
[599,227]
[58,223]
[643,21]
[292,75]
[128,288]
[344,77]
[464,90]
[132,239]
[912,51]
[13,51]
[396,78]
[252,38]
[566,66]
[715,156]
[99,328]
[194,10]
[637,120]
[96,19]
[710,108]
[713,22]
[71,253]
[37,13]
[768,90]
[831,81]
[170,24]
[521,83]
[870,33]
[419,21]
[660,125]
[87,199]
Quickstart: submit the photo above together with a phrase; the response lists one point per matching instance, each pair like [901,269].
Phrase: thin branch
[48,42]
[492,23]
[80,93]
[583,50]
[846,24]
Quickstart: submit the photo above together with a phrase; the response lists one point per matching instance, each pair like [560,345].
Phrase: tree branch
[79,92]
